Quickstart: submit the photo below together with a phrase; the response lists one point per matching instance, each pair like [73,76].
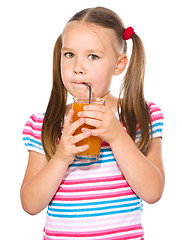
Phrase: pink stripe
[93,196]
[30,133]
[36,119]
[34,127]
[93,180]
[151,104]
[104,144]
[126,237]
[155,109]
[95,233]
[158,116]
[94,188]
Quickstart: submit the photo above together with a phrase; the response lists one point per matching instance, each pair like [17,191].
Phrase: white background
[28,31]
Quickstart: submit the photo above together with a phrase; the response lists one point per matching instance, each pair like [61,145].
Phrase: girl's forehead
[84,26]
[79,31]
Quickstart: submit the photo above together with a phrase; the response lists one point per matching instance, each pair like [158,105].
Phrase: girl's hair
[132,108]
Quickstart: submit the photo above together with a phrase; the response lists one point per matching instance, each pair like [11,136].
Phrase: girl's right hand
[66,150]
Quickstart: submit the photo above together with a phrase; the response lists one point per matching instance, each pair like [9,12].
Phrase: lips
[80,83]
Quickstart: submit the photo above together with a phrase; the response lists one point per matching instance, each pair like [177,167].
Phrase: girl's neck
[111,102]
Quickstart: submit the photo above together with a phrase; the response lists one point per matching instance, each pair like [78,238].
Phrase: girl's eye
[93,57]
[69,55]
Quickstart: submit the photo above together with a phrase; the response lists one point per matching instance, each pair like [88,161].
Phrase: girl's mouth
[81,83]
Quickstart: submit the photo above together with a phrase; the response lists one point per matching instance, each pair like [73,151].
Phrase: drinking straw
[90,91]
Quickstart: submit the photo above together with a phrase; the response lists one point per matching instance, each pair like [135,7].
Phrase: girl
[94,199]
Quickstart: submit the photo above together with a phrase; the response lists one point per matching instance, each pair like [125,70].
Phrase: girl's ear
[121,64]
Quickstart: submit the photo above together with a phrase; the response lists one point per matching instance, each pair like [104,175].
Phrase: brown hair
[132,108]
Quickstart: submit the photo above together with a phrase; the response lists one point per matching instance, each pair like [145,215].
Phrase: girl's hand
[107,126]
[66,150]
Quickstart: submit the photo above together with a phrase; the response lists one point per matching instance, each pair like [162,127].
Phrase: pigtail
[133,107]
[54,116]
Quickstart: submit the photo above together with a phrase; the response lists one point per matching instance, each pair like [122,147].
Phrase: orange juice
[94,142]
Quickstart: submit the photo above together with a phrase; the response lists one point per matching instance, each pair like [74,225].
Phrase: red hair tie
[128,32]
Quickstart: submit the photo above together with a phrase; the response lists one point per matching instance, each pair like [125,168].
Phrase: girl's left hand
[106,124]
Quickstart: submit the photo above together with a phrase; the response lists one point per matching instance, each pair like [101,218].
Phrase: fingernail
[79,114]
[85,107]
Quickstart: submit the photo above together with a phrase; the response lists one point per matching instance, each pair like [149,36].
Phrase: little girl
[94,199]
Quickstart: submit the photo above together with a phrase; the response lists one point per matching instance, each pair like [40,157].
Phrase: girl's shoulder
[156,116]
[155,111]
[37,118]
[157,119]
[32,132]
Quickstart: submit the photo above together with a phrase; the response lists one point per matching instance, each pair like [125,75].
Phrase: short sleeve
[157,120]
[32,133]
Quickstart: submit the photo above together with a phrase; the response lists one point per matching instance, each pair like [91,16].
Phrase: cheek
[65,72]
[102,74]
[101,82]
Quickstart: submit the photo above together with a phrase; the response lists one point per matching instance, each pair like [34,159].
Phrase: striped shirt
[93,200]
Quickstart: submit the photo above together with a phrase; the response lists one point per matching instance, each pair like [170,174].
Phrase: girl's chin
[81,94]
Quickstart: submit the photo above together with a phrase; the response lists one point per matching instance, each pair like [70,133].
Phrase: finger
[92,114]
[81,148]
[93,122]
[79,137]
[93,132]
[95,107]
[74,126]
[68,119]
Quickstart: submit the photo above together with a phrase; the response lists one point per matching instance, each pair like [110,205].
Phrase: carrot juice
[94,142]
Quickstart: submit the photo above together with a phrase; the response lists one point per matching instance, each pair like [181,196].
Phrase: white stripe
[90,224]
[96,169]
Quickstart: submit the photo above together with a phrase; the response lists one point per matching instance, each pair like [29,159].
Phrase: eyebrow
[88,50]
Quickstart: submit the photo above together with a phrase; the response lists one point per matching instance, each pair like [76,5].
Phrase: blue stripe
[31,145]
[157,124]
[106,149]
[90,163]
[32,141]
[78,163]
[153,126]
[159,130]
[94,209]
[106,155]
[94,214]
[100,156]
[93,203]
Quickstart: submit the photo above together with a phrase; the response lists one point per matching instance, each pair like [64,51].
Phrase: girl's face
[90,54]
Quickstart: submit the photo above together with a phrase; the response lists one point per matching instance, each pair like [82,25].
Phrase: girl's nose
[78,68]
[78,71]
